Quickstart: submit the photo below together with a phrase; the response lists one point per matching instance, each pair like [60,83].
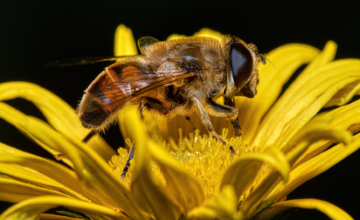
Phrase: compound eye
[241,64]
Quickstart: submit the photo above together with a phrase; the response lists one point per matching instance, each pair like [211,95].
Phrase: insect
[175,77]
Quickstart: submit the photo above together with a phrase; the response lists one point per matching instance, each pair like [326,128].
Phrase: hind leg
[151,104]
[89,136]
[127,165]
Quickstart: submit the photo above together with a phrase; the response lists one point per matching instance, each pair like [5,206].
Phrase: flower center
[204,156]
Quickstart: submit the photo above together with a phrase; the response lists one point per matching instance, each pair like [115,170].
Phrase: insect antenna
[263,59]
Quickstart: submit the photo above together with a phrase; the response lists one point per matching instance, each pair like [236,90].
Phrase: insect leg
[227,111]
[152,103]
[205,119]
[127,165]
[89,136]
[189,120]
[235,122]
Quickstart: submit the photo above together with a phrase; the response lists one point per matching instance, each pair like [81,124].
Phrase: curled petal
[345,94]
[32,208]
[18,119]
[280,163]
[332,211]
[334,135]
[124,42]
[149,195]
[272,177]
[57,112]
[345,117]
[318,165]
[221,206]
[318,129]
[180,183]
[242,173]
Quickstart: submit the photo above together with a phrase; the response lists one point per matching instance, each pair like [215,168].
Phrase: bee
[175,77]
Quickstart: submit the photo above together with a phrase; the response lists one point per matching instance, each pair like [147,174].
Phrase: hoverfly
[175,77]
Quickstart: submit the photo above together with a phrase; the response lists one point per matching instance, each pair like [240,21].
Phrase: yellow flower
[190,176]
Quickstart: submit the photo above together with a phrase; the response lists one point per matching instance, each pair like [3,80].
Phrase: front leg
[206,121]
[234,121]
[228,112]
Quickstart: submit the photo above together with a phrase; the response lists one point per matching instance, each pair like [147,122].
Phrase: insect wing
[114,94]
[146,41]
[83,61]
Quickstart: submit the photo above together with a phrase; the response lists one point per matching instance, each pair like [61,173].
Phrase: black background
[36,32]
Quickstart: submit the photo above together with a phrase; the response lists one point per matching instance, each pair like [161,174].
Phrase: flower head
[178,174]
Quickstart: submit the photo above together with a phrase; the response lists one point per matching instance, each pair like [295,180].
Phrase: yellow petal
[36,170]
[332,211]
[15,191]
[121,119]
[345,94]
[32,208]
[180,183]
[96,175]
[318,165]
[324,57]
[208,33]
[124,42]
[305,97]
[318,129]
[57,112]
[18,119]
[280,162]
[340,118]
[175,36]
[272,178]
[150,195]
[334,135]
[267,183]
[221,206]
[242,173]
[203,32]
[286,60]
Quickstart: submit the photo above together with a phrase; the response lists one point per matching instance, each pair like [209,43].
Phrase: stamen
[196,153]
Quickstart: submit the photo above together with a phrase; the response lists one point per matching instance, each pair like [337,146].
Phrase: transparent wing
[83,61]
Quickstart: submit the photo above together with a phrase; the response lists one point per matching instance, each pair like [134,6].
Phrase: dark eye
[241,64]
